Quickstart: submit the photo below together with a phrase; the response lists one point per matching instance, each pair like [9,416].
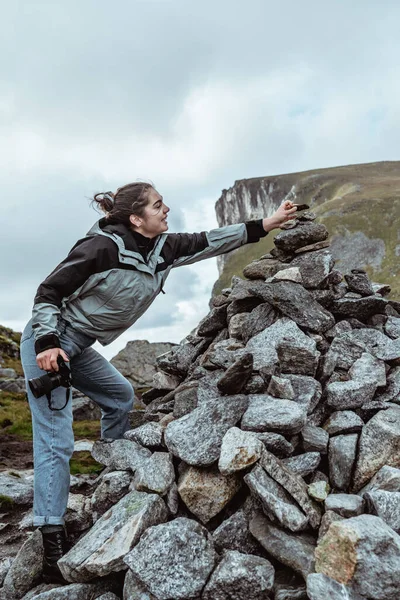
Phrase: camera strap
[48,396]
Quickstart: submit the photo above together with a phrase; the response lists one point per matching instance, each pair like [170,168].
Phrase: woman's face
[154,220]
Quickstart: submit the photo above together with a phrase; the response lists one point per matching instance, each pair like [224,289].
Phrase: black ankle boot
[55,545]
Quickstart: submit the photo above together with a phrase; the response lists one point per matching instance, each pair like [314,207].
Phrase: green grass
[6,502]
[84,463]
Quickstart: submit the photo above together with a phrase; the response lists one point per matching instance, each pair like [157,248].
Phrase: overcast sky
[189,94]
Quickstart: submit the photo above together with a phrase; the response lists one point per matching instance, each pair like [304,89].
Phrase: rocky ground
[265,464]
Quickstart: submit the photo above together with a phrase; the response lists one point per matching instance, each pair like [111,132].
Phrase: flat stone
[359,308]
[387,478]
[213,322]
[261,269]
[308,233]
[120,454]
[156,474]
[148,434]
[359,282]
[101,551]
[319,490]
[314,267]
[296,303]
[293,484]
[315,439]
[240,575]
[266,413]
[363,552]
[113,486]
[342,454]
[280,387]
[239,450]
[263,345]
[261,317]
[206,491]
[369,369]
[313,247]
[343,421]
[344,395]
[237,375]
[173,560]
[291,549]
[346,505]
[321,587]
[276,502]
[234,534]
[385,505]
[25,569]
[196,438]
[276,443]
[379,445]
[289,274]
[303,464]
[165,381]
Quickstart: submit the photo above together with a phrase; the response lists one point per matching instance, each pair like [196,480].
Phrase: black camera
[41,386]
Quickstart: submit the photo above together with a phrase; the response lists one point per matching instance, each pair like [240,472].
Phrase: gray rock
[101,551]
[206,491]
[303,464]
[275,443]
[276,502]
[392,327]
[350,346]
[113,486]
[242,306]
[223,354]
[340,327]
[234,534]
[185,401]
[296,303]
[137,361]
[8,373]
[134,589]
[261,317]
[148,434]
[359,282]
[392,391]
[173,560]
[120,454]
[315,439]
[319,490]
[342,454]
[344,395]
[314,268]
[14,386]
[321,587]
[362,552]
[76,591]
[238,576]
[328,518]
[291,549]
[236,324]
[280,387]
[359,308]
[263,346]
[266,413]
[237,375]
[239,450]
[387,478]
[197,437]
[79,513]
[346,505]
[19,491]
[307,390]
[298,237]
[293,484]
[368,368]
[379,445]
[261,269]
[155,475]
[165,381]
[287,274]
[5,564]
[297,359]
[385,505]
[181,357]
[25,569]
[343,421]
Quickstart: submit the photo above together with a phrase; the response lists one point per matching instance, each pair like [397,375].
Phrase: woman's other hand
[47,360]
[284,213]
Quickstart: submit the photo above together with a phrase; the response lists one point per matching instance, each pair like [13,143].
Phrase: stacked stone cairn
[266,465]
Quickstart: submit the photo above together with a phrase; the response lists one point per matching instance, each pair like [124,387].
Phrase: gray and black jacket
[112,275]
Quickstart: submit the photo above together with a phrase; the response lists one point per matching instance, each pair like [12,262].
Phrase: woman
[108,280]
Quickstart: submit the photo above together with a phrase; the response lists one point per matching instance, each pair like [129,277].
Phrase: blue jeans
[53,438]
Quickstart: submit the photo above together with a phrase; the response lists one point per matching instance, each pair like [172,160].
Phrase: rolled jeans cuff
[39,521]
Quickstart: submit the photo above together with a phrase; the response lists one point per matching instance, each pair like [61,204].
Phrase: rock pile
[267,462]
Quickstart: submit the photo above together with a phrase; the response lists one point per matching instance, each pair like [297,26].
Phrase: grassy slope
[346,199]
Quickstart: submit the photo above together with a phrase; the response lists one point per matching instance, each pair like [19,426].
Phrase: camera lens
[45,384]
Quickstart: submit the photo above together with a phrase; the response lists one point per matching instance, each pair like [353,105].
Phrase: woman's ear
[135,220]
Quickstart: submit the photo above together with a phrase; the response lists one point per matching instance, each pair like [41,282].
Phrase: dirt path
[15,453]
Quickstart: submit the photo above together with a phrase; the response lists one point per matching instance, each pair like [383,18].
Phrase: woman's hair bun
[105,200]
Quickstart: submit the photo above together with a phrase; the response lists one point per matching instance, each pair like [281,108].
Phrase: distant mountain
[359,204]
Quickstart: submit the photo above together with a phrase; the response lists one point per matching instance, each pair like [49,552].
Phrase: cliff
[359,204]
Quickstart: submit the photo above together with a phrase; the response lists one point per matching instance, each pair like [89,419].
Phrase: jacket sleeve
[186,248]
[89,255]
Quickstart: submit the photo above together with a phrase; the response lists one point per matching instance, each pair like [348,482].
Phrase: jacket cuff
[46,342]
[255,230]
